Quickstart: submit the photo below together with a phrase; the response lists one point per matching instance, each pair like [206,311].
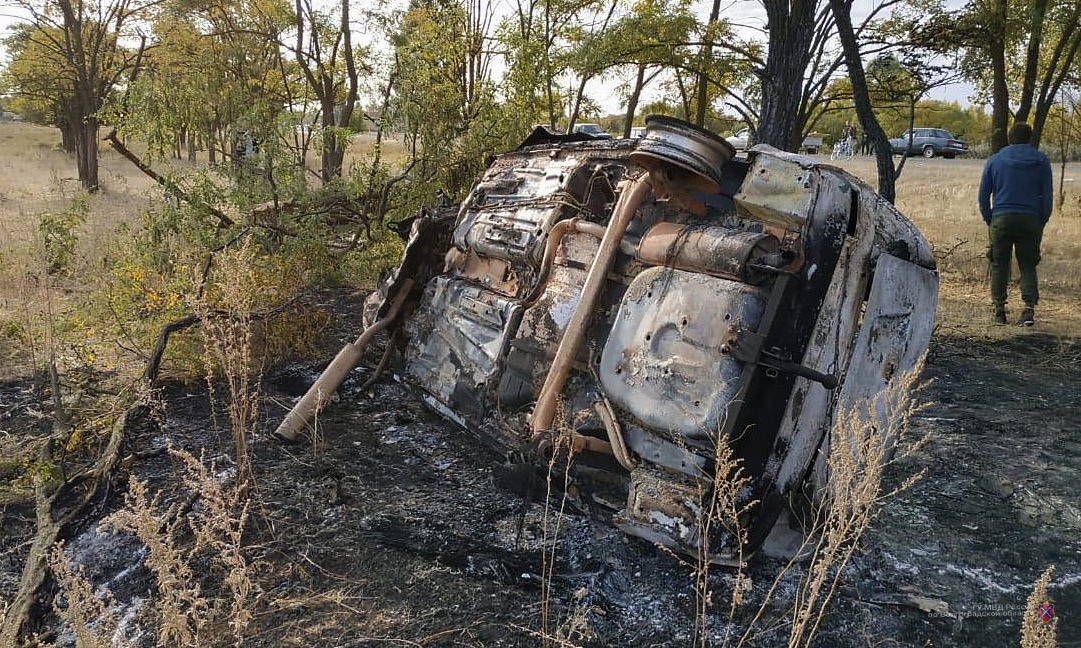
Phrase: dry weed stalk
[178,538]
[85,613]
[1035,631]
[228,348]
[862,440]
[724,507]
[551,524]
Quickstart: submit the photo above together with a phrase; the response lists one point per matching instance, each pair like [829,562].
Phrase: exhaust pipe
[333,376]
[629,201]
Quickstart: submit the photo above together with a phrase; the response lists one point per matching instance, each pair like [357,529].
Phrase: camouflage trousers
[1010,235]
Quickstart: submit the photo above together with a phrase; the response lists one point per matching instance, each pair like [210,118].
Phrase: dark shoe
[1000,317]
[1027,318]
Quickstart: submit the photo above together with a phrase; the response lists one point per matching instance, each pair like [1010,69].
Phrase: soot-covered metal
[635,302]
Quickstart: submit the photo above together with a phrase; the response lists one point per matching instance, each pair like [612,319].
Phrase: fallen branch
[150,375]
[53,517]
[166,183]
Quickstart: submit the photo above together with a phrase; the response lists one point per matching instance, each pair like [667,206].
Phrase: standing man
[1015,202]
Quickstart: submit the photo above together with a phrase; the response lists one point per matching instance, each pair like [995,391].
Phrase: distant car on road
[743,140]
[592,129]
[928,142]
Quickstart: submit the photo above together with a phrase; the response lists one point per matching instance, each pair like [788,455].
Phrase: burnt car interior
[626,305]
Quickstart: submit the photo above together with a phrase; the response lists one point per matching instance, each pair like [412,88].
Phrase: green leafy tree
[538,40]
[215,68]
[650,40]
[444,99]
[1017,53]
[82,42]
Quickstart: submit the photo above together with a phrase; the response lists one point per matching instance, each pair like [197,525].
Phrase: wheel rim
[928,152]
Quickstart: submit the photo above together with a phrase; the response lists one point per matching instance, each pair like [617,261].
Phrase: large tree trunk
[86,145]
[868,122]
[1000,92]
[632,100]
[791,31]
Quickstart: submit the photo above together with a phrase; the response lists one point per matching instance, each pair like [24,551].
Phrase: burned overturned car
[630,303]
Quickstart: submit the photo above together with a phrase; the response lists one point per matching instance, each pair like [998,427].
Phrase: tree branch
[166,183]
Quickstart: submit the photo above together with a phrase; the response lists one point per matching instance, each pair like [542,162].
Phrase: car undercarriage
[628,307]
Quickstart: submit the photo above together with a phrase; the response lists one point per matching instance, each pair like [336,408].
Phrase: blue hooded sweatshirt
[1019,178]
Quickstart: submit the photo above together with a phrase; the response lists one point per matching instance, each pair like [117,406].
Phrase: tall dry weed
[190,542]
[861,446]
[559,466]
[228,346]
[724,509]
[1039,627]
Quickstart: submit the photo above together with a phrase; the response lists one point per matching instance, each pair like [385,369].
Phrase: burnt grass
[394,527]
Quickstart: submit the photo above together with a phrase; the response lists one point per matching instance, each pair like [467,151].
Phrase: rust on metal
[635,303]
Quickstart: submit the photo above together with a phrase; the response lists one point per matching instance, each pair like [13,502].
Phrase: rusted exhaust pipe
[628,203]
[333,376]
[555,237]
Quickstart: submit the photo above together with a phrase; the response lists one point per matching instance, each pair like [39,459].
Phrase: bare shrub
[1035,631]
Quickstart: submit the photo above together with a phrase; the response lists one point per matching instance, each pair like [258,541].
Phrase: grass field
[940,197]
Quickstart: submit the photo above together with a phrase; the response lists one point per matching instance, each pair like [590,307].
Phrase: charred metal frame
[648,298]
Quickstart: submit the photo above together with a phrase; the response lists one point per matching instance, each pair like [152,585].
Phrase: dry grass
[940,197]
[37,176]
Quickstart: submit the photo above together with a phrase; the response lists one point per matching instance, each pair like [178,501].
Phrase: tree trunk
[1032,59]
[632,101]
[1000,91]
[65,113]
[1059,65]
[791,31]
[333,147]
[702,91]
[864,109]
[67,135]
[86,151]
[577,107]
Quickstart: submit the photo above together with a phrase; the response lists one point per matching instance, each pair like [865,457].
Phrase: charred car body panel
[645,298]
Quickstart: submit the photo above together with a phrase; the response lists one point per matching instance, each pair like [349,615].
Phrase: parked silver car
[928,142]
